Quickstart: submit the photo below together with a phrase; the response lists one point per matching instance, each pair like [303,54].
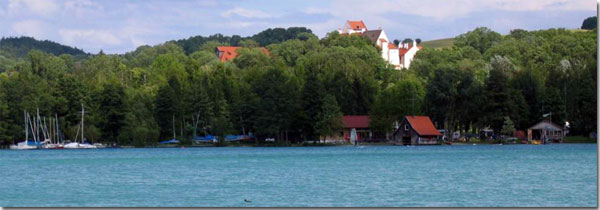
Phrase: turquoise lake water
[384,176]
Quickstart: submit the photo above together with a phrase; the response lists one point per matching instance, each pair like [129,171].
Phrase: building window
[406,127]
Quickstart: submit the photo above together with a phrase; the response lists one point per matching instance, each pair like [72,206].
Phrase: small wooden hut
[545,132]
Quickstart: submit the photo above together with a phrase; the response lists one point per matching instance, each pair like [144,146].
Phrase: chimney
[414,43]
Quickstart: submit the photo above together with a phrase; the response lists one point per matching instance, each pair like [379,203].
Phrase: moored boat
[27,144]
[84,144]
[23,146]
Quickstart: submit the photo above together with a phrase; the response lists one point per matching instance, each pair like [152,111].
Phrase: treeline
[15,49]
[264,38]
[19,47]
[301,91]
[486,77]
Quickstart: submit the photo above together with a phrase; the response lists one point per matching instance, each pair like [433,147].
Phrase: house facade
[352,27]
[364,133]
[417,130]
[545,132]
[398,56]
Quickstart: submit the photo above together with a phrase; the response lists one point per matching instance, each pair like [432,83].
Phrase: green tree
[481,38]
[165,111]
[497,98]
[590,23]
[312,96]
[113,111]
[329,119]
[508,128]
[405,97]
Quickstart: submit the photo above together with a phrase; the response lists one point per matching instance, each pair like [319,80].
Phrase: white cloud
[37,7]
[315,11]
[132,33]
[32,28]
[83,8]
[247,13]
[452,9]
[207,3]
[245,24]
[88,37]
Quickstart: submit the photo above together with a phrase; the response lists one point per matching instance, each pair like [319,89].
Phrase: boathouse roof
[423,125]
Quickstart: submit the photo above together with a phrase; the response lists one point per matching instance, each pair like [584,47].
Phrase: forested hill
[301,90]
[19,47]
[264,38]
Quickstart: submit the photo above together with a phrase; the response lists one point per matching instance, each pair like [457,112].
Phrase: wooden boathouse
[417,130]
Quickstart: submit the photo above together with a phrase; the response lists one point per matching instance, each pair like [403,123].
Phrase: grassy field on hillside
[438,43]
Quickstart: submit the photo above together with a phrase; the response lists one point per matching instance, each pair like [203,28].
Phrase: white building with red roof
[399,56]
[352,27]
[407,53]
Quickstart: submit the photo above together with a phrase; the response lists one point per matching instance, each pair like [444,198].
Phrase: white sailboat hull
[79,146]
[22,146]
[72,146]
[53,146]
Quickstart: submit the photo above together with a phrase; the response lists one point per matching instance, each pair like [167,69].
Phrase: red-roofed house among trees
[358,122]
[417,130]
[352,27]
[363,130]
[227,53]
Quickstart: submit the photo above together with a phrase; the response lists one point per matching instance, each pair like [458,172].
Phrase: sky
[122,26]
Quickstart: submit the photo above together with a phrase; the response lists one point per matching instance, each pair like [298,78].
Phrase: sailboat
[25,144]
[84,144]
[353,137]
[54,135]
[174,140]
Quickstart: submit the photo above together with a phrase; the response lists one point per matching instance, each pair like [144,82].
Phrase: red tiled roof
[230,53]
[403,51]
[392,46]
[423,125]
[357,25]
[356,121]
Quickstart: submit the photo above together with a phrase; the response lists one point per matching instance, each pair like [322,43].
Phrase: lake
[378,176]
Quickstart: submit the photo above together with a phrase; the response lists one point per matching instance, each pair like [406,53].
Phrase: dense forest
[302,89]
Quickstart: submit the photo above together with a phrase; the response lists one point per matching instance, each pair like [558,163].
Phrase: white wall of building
[408,57]
[394,55]
[390,55]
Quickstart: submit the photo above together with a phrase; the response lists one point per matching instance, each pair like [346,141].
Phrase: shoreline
[349,145]
[327,145]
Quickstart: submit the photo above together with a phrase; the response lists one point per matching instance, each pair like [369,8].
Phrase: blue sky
[121,26]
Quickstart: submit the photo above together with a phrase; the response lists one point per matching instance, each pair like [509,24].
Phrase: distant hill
[438,43]
[19,47]
[263,38]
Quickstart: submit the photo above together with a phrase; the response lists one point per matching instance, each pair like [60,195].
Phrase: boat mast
[31,126]
[26,127]
[37,127]
[173,126]
[82,113]
[56,128]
